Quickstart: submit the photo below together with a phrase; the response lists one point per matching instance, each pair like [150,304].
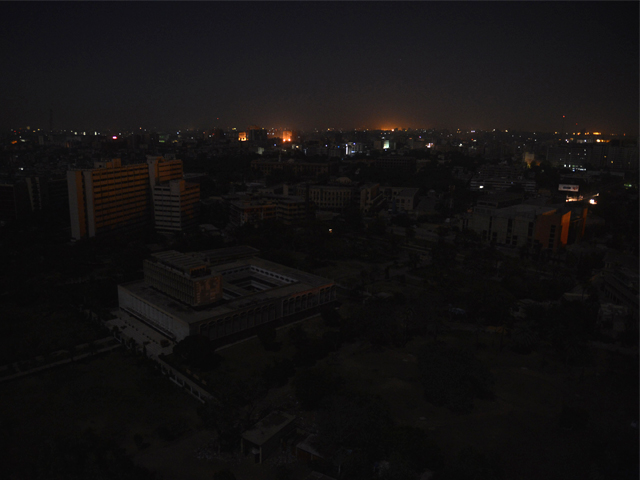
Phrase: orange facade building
[115,198]
[108,198]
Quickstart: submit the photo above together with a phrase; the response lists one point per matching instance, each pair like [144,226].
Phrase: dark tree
[224,475]
[355,421]
[472,465]
[453,378]
[197,352]
[313,385]
[267,335]
[411,445]
[278,374]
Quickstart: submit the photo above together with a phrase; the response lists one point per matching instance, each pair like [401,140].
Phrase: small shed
[311,449]
[266,435]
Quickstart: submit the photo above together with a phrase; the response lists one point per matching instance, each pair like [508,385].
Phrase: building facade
[521,225]
[113,198]
[176,205]
[108,198]
[249,210]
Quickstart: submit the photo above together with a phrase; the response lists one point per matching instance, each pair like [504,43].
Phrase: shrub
[313,385]
[267,335]
[278,374]
[453,378]
[197,352]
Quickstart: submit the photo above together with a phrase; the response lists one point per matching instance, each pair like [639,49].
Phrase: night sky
[305,65]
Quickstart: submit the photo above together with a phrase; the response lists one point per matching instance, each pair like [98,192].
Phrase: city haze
[321,65]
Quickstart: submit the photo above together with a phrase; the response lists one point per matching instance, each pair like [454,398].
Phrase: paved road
[103,345]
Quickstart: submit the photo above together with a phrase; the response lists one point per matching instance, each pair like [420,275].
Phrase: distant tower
[50,120]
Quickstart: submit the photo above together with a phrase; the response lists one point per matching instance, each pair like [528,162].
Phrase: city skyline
[365,65]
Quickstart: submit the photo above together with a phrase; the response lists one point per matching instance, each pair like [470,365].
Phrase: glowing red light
[114,137]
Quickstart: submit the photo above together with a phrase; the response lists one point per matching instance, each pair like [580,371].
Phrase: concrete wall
[152,315]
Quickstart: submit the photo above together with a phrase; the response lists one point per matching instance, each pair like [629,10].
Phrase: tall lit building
[163,169]
[115,198]
[175,205]
[107,198]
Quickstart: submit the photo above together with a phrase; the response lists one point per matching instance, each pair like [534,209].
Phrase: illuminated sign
[568,188]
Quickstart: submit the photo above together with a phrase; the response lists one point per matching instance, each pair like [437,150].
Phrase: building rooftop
[523,211]
[178,260]
[408,192]
[220,255]
[268,427]
[499,199]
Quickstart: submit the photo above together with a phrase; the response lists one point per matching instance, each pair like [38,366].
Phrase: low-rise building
[497,178]
[397,163]
[251,210]
[222,294]
[521,225]
[331,197]
[265,437]
[400,198]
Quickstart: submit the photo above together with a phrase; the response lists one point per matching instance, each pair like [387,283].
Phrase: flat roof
[302,281]
[523,210]
[178,260]
[220,254]
[498,197]
[268,427]
[309,445]
[407,192]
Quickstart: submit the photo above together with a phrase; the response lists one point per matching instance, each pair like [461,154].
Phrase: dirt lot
[112,394]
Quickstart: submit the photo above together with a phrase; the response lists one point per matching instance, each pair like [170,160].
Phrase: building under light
[112,198]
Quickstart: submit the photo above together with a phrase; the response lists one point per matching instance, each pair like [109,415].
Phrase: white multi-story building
[175,205]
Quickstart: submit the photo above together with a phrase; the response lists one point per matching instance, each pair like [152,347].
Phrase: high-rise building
[107,198]
[113,198]
[175,205]
[163,169]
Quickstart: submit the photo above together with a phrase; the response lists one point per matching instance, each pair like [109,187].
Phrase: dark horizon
[476,65]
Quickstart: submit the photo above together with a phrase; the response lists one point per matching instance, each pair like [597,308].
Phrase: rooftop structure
[263,439]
